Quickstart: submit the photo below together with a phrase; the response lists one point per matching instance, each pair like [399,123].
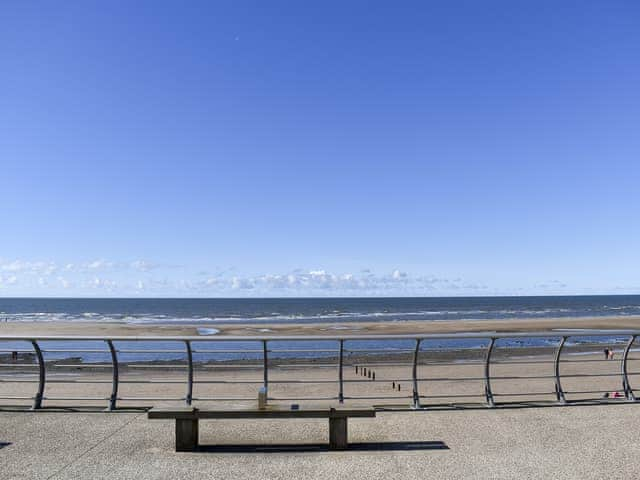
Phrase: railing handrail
[562,335]
[318,337]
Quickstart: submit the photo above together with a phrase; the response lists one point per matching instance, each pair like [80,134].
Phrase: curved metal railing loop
[484,342]
[626,385]
[487,374]
[115,378]
[414,375]
[265,367]
[556,367]
[42,376]
[340,373]
[189,397]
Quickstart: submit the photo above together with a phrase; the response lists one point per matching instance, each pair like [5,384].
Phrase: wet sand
[334,328]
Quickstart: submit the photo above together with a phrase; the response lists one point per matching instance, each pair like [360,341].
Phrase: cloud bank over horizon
[100,277]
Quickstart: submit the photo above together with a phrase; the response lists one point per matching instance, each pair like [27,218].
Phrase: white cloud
[321,282]
[397,274]
[21,267]
[99,265]
[100,283]
[551,285]
[143,265]
[124,278]
[242,283]
[41,269]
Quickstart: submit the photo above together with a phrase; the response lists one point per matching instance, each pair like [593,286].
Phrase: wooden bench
[187,421]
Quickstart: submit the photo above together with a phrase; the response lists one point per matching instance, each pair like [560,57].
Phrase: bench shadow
[4,444]
[323,447]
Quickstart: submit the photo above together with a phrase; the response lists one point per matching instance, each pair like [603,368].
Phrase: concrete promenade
[580,442]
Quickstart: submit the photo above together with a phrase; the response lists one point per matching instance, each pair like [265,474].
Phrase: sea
[209,313]
[311,310]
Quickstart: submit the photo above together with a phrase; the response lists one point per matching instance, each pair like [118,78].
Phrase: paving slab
[579,442]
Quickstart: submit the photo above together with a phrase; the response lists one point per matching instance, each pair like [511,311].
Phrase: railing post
[37,400]
[556,366]
[115,376]
[628,391]
[414,375]
[265,367]
[189,397]
[340,372]
[487,375]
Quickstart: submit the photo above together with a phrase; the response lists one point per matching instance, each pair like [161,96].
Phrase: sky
[352,148]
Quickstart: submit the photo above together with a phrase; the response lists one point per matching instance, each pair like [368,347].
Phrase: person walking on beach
[606,354]
[611,354]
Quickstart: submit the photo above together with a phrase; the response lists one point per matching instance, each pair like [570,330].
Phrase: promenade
[577,442]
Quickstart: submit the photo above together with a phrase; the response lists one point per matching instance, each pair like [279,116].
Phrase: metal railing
[346,351]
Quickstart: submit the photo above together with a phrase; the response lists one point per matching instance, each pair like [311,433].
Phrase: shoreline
[325,328]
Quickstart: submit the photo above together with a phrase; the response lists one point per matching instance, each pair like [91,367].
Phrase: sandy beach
[453,435]
[443,374]
[333,328]
[443,381]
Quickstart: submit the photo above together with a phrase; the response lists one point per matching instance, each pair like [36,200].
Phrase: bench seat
[187,419]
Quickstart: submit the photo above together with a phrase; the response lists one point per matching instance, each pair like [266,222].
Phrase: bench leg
[186,435]
[338,433]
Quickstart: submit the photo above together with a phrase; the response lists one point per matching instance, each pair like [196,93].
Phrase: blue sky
[328,148]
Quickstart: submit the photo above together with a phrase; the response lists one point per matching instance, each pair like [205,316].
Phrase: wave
[324,316]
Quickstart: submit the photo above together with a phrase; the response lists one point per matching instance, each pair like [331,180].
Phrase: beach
[321,328]
[452,379]
[450,437]
[163,378]
[454,434]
